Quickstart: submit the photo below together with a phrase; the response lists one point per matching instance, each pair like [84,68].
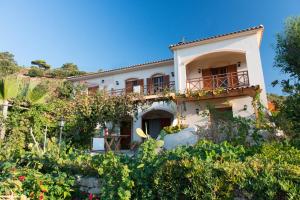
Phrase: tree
[67,70]
[69,67]
[288,60]
[41,64]
[8,65]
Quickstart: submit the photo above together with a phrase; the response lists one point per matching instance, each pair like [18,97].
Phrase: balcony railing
[152,89]
[227,81]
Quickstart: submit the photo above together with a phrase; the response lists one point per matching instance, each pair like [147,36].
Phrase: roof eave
[219,38]
[121,70]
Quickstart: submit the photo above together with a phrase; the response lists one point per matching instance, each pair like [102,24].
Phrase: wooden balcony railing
[227,81]
[153,89]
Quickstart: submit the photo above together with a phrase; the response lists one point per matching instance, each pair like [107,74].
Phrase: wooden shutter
[166,81]
[128,86]
[93,90]
[149,86]
[233,76]
[141,83]
[206,76]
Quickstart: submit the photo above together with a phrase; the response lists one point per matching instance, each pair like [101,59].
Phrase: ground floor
[191,113]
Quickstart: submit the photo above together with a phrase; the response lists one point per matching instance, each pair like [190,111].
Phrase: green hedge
[206,171]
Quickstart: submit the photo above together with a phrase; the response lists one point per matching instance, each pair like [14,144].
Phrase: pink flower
[90,196]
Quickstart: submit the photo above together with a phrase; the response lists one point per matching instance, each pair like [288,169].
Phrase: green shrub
[35,72]
[174,129]
[34,184]
[115,178]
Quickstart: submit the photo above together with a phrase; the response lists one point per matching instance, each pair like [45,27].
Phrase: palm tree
[9,88]
[15,87]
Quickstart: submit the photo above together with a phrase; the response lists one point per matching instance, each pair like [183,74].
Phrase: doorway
[125,132]
[154,121]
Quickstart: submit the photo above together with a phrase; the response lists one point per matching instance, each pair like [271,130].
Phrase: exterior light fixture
[197,111]
[102,81]
[245,107]
[238,64]
[172,73]
[199,71]
[117,82]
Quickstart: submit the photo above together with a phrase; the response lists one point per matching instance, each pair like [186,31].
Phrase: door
[206,77]
[154,126]
[158,84]
[125,130]
[233,76]
[219,115]
[220,78]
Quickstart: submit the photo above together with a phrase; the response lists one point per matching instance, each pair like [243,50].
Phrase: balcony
[151,90]
[225,81]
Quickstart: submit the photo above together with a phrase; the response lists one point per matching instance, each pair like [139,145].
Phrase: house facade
[223,71]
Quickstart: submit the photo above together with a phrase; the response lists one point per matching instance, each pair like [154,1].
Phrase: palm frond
[9,87]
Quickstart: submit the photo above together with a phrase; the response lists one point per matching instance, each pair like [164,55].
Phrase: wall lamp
[117,82]
[102,81]
[238,64]
[172,73]
[197,111]
[199,71]
[245,107]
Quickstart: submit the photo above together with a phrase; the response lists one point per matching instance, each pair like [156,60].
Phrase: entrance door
[125,130]
[154,126]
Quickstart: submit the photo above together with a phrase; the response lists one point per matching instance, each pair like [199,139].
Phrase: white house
[227,64]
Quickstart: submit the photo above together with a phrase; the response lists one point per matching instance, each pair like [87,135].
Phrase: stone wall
[88,184]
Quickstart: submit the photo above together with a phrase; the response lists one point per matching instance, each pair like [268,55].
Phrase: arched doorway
[154,121]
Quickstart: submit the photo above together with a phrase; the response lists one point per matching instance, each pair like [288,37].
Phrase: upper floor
[230,61]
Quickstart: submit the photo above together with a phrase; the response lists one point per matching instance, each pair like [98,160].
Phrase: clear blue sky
[107,34]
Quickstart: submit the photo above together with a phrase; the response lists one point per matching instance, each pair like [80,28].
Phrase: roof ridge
[217,36]
[124,67]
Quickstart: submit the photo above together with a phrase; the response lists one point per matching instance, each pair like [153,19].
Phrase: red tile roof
[216,36]
[96,74]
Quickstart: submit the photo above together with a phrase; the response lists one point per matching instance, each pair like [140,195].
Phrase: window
[158,83]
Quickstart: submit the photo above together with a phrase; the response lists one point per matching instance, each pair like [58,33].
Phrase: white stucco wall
[193,119]
[248,44]
[110,80]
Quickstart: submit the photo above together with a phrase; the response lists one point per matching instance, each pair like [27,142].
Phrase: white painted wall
[247,44]
[193,119]
[110,80]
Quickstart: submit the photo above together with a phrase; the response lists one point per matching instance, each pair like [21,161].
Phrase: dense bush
[38,174]
[35,72]
[206,171]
